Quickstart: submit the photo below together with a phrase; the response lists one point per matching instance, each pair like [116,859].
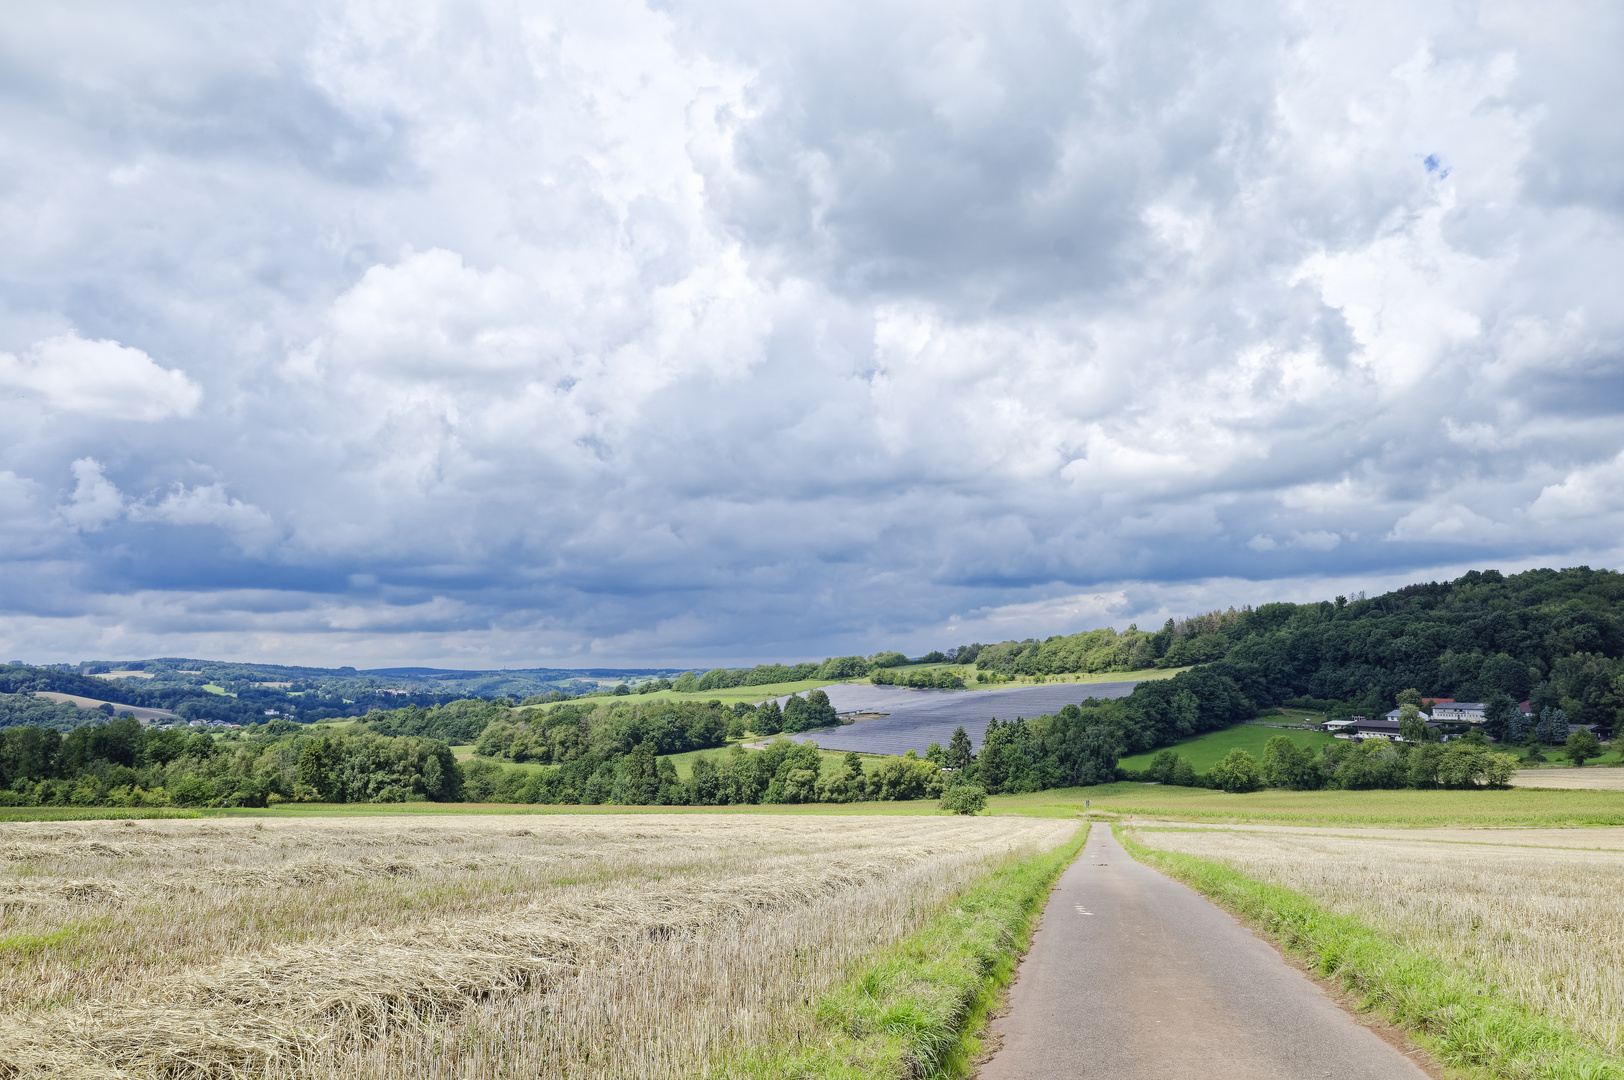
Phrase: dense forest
[1554,638]
[619,752]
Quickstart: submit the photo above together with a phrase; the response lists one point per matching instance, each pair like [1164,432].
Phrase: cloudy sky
[550,333]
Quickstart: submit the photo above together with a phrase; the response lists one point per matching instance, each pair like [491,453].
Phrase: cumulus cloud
[644,332]
[100,378]
[96,500]
[1446,523]
[1592,495]
[206,505]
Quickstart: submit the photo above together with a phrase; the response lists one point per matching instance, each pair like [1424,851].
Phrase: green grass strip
[23,946]
[90,813]
[1466,1023]
[917,1008]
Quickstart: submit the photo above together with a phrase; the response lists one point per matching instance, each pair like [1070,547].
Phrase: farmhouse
[1459,712]
[1385,728]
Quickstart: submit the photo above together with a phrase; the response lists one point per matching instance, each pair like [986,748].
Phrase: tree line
[1552,637]
[1342,766]
[1556,636]
[619,752]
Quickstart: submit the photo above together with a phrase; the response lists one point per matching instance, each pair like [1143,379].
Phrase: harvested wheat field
[1595,778]
[477,947]
[1541,923]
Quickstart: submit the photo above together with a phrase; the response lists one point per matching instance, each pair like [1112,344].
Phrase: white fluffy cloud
[637,332]
[96,500]
[99,378]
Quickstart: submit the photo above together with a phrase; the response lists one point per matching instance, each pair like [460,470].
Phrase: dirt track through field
[1133,976]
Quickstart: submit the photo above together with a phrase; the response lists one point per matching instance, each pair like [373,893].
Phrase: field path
[1157,983]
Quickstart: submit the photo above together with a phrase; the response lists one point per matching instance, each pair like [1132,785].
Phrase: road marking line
[1081,911]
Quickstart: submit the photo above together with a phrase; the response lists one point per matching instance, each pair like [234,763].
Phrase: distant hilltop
[1553,636]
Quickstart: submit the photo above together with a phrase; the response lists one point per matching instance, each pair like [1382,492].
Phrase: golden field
[1594,778]
[1534,912]
[469,947]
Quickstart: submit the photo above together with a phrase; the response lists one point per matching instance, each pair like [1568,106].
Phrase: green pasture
[685,762]
[1513,807]
[1612,756]
[917,808]
[751,694]
[1205,751]
[94,813]
[1145,675]
[757,694]
[1283,715]
[1508,807]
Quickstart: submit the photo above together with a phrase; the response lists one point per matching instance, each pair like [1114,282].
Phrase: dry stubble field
[472,947]
[1595,778]
[1537,912]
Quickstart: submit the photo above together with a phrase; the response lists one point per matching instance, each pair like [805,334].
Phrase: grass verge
[918,1008]
[911,808]
[90,813]
[1466,1023]
[1520,807]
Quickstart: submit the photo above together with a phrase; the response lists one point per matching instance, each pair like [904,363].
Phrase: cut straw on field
[645,946]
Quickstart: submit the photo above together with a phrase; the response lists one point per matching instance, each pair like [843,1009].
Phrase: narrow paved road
[1133,976]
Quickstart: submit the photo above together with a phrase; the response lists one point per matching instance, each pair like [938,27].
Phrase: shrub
[965,799]
[1162,766]
[1237,773]
[1463,765]
[1183,773]
[1582,745]
[191,790]
[843,667]
[906,777]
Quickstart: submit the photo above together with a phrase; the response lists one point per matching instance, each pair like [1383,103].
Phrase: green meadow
[1506,808]
[756,694]
[1205,751]
[748,694]
[1500,808]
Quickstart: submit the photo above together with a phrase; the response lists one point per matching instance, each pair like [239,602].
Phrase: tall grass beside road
[1507,962]
[917,1009]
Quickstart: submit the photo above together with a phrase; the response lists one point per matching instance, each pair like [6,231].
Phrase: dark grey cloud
[482,333]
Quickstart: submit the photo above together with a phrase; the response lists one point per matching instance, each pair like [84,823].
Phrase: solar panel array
[917,718]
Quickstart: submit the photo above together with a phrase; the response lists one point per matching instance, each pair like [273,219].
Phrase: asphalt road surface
[1132,976]
[917,718]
